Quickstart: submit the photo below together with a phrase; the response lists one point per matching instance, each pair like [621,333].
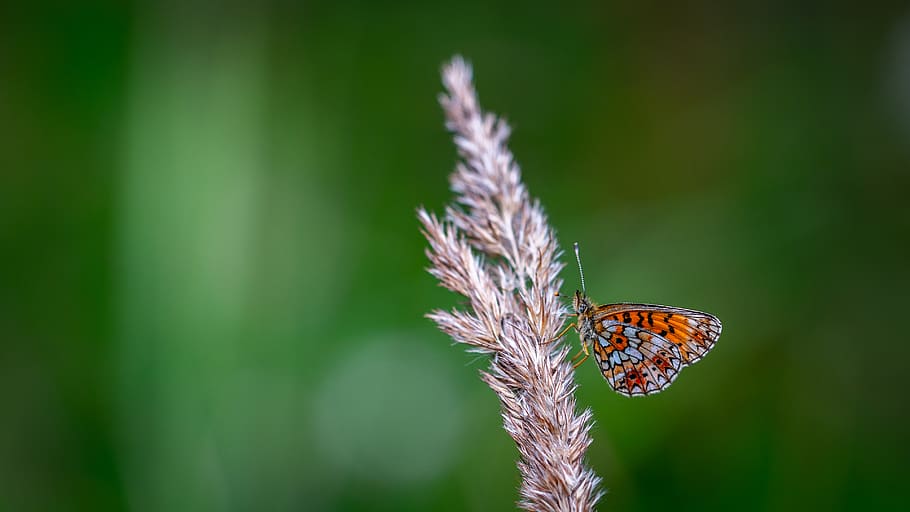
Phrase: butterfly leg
[579,354]
[584,348]
[560,335]
[564,331]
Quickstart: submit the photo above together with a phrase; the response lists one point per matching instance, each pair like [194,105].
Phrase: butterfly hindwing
[634,361]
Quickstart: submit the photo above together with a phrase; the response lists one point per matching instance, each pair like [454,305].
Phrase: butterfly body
[641,348]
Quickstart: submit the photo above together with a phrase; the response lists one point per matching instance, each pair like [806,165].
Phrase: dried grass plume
[494,247]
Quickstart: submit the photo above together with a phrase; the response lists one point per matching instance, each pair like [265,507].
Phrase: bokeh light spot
[390,412]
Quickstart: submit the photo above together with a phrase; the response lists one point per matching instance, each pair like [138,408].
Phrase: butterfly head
[580,303]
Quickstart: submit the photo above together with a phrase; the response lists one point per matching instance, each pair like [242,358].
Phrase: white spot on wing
[634,354]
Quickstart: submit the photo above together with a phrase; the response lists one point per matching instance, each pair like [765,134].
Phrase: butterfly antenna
[580,271]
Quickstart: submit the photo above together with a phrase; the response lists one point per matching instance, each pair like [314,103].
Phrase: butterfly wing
[641,348]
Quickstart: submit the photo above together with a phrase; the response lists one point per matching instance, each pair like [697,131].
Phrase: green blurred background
[212,282]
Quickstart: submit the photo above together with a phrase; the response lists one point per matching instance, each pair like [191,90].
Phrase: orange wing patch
[692,332]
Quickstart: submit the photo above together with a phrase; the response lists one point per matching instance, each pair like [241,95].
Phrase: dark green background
[213,284]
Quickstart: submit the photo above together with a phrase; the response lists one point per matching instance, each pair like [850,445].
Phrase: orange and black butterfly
[641,348]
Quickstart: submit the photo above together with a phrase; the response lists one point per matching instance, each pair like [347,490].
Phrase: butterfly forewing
[641,348]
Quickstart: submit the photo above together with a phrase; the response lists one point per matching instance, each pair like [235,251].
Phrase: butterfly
[640,348]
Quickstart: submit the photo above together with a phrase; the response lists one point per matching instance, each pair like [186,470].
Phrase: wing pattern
[641,348]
